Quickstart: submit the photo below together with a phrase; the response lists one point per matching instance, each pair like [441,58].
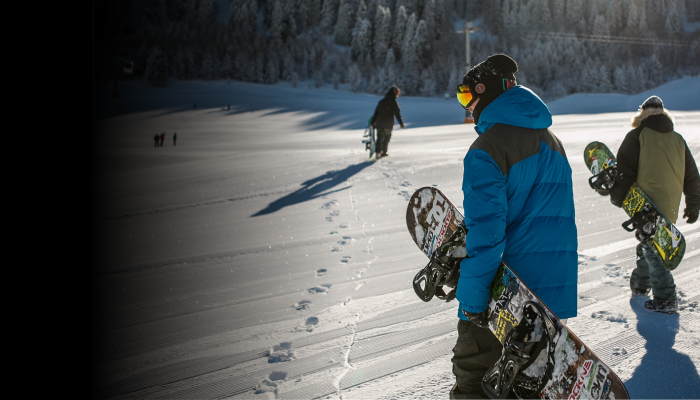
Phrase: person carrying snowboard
[383,120]
[658,159]
[518,208]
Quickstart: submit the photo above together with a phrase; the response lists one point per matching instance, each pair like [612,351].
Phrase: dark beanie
[652,102]
[485,80]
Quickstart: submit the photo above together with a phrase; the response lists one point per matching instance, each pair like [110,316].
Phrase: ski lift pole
[467,28]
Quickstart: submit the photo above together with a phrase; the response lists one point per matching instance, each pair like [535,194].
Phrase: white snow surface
[264,256]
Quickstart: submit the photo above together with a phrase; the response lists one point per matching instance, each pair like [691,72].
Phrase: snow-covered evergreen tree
[381,34]
[422,44]
[354,78]
[362,39]
[427,83]
[157,68]
[399,33]
[343,29]
[329,14]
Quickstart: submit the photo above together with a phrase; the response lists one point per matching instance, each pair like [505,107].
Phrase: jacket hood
[391,93]
[666,124]
[518,106]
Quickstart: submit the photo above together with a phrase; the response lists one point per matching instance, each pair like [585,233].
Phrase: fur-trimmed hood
[648,112]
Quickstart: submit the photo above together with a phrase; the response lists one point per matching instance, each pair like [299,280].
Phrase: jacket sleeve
[374,116]
[485,208]
[691,182]
[627,167]
[397,112]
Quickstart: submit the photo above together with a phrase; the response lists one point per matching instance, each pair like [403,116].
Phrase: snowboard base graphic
[566,368]
[371,138]
[650,224]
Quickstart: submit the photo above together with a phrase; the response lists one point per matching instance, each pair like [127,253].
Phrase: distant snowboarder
[518,208]
[383,120]
[659,161]
[162,138]
[175,139]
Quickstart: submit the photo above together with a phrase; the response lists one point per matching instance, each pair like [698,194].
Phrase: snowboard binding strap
[519,352]
[643,223]
[604,181]
[441,271]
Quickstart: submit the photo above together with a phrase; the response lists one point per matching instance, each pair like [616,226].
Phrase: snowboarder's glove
[478,319]
[691,214]
[401,126]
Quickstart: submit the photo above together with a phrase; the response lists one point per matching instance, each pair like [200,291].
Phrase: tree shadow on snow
[314,188]
[663,372]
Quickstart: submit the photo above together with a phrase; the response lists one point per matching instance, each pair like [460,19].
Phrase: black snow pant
[476,351]
[383,138]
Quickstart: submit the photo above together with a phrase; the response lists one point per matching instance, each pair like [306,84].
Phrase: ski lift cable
[613,39]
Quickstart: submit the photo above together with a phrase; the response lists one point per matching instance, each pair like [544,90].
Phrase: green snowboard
[652,226]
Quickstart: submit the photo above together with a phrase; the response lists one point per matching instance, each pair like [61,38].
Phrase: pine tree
[354,78]
[422,44]
[314,12]
[157,68]
[439,21]
[398,35]
[390,68]
[272,68]
[277,18]
[302,15]
[381,34]
[427,83]
[408,48]
[206,13]
[674,22]
[329,14]
[361,39]
[342,26]
[557,9]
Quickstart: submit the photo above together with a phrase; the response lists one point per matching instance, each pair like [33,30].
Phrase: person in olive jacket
[658,159]
[383,119]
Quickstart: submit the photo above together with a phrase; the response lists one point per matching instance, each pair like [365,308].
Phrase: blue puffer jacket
[519,206]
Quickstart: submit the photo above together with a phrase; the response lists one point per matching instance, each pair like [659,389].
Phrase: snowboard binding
[604,181]
[520,350]
[442,270]
[643,224]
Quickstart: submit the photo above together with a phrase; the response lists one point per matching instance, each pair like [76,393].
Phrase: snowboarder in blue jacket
[518,208]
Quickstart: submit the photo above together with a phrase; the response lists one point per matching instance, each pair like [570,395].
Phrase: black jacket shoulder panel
[508,145]
[627,166]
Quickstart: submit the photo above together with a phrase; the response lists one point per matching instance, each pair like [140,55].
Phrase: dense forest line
[561,46]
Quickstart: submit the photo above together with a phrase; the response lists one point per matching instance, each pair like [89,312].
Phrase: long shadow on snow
[663,372]
[314,188]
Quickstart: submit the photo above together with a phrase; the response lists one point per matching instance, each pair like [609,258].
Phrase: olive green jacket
[658,159]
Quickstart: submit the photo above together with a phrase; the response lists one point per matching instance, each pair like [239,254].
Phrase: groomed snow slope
[265,257]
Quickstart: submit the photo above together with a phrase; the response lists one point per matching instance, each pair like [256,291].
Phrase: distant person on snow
[156,138]
[383,120]
[658,159]
[162,138]
[518,208]
[175,139]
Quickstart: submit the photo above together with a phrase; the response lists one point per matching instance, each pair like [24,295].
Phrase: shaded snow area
[265,257]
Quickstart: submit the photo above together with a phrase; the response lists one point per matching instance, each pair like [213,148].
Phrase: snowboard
[646,220]
[566,368]
[370,142]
